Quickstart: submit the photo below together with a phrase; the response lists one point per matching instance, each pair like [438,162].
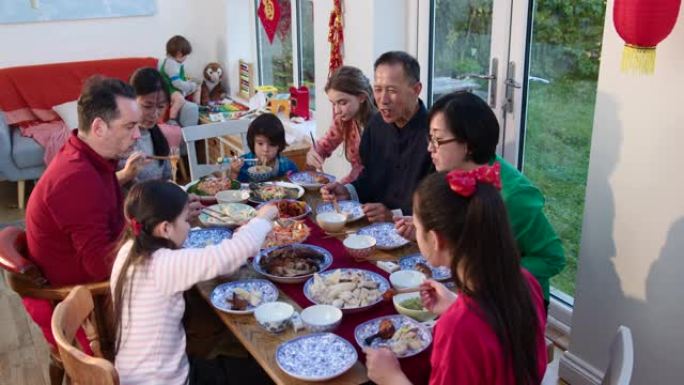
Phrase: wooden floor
[23,351]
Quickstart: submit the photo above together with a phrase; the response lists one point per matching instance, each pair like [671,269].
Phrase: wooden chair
[74,312]
[26,279]
[191,134]
[621,362]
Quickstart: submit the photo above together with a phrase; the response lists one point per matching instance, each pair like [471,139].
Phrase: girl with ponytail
[491,331]
[151,272]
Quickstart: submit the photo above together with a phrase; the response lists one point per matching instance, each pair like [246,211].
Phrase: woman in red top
[492,332]
[351,97]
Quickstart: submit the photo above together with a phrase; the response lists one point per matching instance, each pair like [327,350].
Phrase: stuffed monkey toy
[212,88]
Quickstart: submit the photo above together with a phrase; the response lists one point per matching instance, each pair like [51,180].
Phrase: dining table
[262,345]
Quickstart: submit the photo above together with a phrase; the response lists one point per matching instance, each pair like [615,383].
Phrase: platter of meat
[287,233]
[242,297]
[290,208]
[292,263]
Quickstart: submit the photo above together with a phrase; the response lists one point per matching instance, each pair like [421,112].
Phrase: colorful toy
[280,103]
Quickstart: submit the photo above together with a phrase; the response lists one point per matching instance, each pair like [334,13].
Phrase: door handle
[511,85]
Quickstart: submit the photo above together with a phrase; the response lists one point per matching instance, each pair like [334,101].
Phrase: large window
[289,59]
[555,121]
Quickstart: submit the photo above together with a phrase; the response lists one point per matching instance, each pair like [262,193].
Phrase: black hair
[472,123]
[271,127]
[178,45]
[408,63]
[478,233]
[98,100]
[148,203]
[145,81]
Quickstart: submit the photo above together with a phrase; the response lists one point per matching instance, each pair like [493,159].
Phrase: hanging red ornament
[642,24]
[285,19]
[335,36]
[269,14]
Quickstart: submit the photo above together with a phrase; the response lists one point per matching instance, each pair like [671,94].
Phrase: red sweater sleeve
[332,139]
[85,215]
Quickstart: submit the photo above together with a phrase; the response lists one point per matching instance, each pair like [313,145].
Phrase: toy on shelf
[299,102]
[246,80]
[280,103]
[212,87]
[268,91]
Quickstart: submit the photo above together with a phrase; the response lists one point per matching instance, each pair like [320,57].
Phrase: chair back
[621,362]
[24,277]
[191,134]
[74,312]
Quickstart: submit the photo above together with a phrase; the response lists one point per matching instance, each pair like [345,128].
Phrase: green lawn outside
[560,117]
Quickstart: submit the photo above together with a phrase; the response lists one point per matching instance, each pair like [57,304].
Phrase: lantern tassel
[639,60]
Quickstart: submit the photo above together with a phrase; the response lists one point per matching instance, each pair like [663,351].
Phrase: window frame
[296,33]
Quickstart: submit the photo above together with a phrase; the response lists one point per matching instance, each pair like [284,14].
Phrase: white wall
[370,28]
[202,22]
[631,266]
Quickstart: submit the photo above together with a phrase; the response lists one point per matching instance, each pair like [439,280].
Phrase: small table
[261,344]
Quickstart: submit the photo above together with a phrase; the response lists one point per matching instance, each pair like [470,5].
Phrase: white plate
[316,357]
[353,208]
[269,293]
[300,190]
[200,238]
[369,328]
[385,235]
[234,214]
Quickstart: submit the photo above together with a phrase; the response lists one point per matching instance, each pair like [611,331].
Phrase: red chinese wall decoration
[335,36]
[642,24]
[269,14]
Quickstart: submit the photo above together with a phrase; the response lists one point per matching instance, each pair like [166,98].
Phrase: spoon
[391,292]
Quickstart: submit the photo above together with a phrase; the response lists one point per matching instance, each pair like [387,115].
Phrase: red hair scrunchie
[136,227]
[464,183]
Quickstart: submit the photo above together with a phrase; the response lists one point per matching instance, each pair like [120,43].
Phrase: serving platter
[409,262]
[227,214]
[422,338]
[316,294]
[311,180]
[292,191]
[199,238]
[352,208]
[327,260]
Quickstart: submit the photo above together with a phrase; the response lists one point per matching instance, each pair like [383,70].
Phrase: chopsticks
[215,214]
[336,205]
[159,157]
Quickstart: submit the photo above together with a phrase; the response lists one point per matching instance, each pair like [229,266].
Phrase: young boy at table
[266,141]
[151,272]
[492,330]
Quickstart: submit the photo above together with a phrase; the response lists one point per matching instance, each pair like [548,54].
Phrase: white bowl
[331,222]
[232,196]
[406,279]
[359,246]
[274,316]
[321,318]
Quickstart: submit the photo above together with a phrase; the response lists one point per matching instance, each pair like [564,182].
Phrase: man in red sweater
[75,215]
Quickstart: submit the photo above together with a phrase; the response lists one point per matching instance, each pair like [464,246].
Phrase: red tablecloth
[417,368]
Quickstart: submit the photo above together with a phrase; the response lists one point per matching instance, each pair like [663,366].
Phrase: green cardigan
[540,248]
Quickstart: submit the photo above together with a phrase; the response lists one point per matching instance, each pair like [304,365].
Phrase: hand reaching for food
[436,297]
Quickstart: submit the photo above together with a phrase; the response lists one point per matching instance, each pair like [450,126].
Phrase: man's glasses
[436,142]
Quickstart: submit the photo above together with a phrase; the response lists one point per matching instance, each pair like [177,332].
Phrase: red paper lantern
[335,36]
[642,24]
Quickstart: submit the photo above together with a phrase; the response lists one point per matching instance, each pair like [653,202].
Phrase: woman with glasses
[463,135]
[153,100]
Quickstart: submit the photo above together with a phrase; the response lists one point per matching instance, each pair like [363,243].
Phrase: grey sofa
[21,158]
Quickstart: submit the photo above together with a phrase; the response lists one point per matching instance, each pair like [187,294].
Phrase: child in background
[492,332]
[173,71]
[151,272]
[266,140]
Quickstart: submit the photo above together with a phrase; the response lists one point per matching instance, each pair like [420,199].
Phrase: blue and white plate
[327,261]
[369,328]
[200,238]
[230,214]
[439,273]
[308,179]
[382,286]
[353,208]
[316,357]
[223,292]
[385,235]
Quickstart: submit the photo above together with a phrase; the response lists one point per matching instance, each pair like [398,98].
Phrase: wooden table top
[261,344]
